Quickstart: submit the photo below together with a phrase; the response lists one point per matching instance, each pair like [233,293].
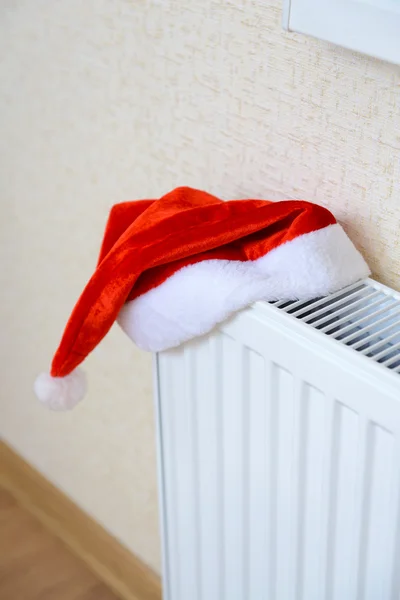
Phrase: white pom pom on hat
[61,393]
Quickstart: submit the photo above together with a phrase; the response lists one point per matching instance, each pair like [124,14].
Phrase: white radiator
[279,453]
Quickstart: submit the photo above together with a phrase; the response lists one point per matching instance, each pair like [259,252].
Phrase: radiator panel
[280,467]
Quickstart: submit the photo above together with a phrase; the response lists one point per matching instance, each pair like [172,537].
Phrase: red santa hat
[171,269]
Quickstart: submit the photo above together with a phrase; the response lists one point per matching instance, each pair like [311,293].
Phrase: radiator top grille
[364,316]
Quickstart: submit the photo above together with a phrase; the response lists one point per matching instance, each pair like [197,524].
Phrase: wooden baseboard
[128,576]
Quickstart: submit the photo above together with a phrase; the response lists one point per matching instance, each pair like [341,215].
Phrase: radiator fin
[345,503]
[315,458]
[234,371]
[364,316]
[260,501]
[286,482]
[378,536]
[208,409]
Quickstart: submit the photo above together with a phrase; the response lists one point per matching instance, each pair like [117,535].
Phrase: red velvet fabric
[146,241]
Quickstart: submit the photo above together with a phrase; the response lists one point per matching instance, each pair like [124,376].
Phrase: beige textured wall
[106,100]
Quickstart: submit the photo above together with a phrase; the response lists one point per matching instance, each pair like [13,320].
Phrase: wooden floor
[34,565]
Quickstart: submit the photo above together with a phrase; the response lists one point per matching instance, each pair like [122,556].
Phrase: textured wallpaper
[107,100]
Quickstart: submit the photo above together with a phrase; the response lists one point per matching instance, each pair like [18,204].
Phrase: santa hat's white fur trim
[197,297]
[61,393]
